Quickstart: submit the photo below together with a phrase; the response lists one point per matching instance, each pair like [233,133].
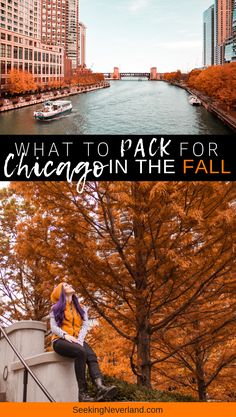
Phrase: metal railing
[27,371]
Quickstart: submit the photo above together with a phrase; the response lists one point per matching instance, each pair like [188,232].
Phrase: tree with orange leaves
[144,255]
[86,77]
[112,350]
[218,82]
[175,76]
[24,290]
[20,82]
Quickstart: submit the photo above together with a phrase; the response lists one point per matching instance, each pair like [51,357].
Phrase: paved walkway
[8,104]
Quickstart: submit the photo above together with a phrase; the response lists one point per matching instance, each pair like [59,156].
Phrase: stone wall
[54,372]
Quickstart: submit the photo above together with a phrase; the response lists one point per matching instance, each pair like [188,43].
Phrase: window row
[6,67]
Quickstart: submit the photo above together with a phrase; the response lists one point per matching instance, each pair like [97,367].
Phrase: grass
[132,392]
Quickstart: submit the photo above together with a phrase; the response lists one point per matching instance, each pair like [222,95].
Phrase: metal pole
[25,382]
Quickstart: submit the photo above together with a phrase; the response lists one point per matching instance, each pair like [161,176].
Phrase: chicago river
[127,107]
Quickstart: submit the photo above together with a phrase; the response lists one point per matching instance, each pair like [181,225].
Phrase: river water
[127,107]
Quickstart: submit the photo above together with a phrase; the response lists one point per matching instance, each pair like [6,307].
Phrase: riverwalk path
[227,117]
[29,100]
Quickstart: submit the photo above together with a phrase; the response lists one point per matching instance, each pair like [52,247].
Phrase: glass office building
[208,37]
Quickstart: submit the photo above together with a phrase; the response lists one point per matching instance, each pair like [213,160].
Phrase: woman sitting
[69,325]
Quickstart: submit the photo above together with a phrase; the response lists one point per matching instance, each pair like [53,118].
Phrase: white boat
[53,109]
[194,101]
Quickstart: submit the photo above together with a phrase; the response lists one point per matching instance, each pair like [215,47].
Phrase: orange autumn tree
[192,76]
[112,350]
[23,286]
[173,76]
[86,78]
[142,254]
[205,364]
[218,82]
[20,82]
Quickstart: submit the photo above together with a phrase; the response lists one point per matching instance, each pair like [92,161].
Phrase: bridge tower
[116,73]
[153,74]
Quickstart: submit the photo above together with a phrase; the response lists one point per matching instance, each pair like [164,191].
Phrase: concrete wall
[54,372]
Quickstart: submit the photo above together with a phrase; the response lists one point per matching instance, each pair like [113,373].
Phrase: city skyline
[139,34]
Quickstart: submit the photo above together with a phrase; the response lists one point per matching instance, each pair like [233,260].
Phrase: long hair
[59,308]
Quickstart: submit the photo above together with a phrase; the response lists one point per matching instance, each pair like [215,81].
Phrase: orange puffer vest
[72,321]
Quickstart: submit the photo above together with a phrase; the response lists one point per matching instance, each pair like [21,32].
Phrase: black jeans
[83,355]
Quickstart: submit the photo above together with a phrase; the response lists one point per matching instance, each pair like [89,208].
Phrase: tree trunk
[142,292]
[202,393]
[143,355]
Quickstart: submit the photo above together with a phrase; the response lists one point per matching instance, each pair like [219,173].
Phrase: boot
[104,393]
[85,397]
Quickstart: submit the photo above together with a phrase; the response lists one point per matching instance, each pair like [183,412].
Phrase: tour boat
[194,101]
[53,109]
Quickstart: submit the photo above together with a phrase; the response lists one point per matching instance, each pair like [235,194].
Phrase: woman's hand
[70,338]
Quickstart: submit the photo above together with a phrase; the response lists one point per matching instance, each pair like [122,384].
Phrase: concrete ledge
[43,358]
[55,372]
[25,325]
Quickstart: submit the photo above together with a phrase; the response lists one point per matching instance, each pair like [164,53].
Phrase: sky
[136,35]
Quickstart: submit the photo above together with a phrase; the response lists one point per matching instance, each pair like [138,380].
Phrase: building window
[8,66]
[20,53]
[15,53]
[8,51]
[3,50]
[3,69]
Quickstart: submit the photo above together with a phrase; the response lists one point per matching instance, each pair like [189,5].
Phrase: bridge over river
[117,75]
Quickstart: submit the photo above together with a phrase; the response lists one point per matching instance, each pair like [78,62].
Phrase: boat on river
[194,101]
[53,109]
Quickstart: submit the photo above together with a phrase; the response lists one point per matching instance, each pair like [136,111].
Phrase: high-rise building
[230,44]
[54,17]
[20,43]
[208,37]
[60,26]
[82,45]
[23,17]
[223,27]
[72,32]
[234,32]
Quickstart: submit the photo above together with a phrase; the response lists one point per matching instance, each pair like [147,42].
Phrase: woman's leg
[92,362]
[103,393]
[74,350]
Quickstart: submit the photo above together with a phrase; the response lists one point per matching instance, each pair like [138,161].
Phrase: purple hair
[59,308]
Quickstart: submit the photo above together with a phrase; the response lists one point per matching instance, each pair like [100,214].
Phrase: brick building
[20,43]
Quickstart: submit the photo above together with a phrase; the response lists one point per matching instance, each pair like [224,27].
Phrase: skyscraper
[234,32]
[60,26]
[223,27]
[54,13]
[20,43]
[82,44]
[22,17]
[208,37]
[72,32]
